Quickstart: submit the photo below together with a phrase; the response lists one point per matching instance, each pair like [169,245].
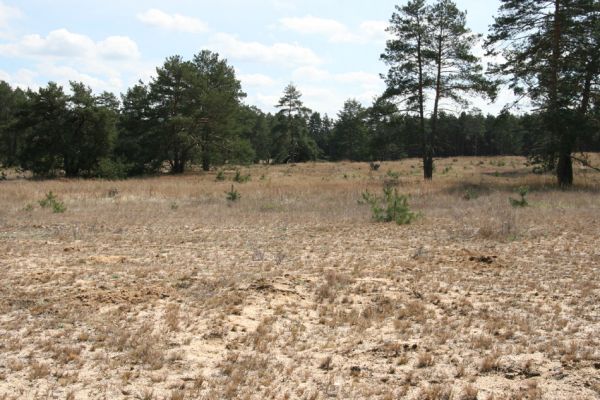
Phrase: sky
[328,48]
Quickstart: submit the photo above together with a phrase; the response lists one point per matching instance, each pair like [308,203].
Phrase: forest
[193,111]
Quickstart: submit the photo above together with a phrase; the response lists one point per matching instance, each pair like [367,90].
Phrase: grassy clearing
[293,292]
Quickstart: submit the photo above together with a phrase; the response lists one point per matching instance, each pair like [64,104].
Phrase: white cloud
[63,74]
[256,80]
[64,44]
[335,31]
[266,101]
[23,78]
[313,74]
[118,48]
[7,15]
[285,54]
[63,56]
[375,30]
[325,91]
[172,22]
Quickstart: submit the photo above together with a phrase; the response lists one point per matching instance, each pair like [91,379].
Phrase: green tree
[11,136]
[550,51]
[138,146]
[457,70]
[69,132]
[388,131]
[291,139]
[409,55]
[217,95]
[194,105]
[90,133]
[432,52]
[350,133]
[171,103]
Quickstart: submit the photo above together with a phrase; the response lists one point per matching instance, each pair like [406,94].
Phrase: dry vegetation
[160,288]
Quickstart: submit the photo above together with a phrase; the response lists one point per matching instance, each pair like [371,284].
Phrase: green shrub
[239,178]
[112,170]
[51,201]
[522,202]
[233,195]
[220,176]
[389,207]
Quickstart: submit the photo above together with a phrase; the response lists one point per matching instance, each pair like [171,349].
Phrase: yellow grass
[160,288]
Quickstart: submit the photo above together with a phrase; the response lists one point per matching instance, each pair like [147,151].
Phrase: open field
[159,289]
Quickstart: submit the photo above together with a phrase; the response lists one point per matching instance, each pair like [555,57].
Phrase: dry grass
[160,289]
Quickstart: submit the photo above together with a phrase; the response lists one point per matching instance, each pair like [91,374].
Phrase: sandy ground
[160,288]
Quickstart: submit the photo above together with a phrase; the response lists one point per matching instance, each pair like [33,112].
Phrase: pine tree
[551,56]
[410,74]
[350,133]
[291,137]
[432,51]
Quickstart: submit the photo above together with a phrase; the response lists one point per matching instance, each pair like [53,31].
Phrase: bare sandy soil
[160,288]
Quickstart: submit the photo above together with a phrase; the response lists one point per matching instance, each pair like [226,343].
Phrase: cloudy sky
[329,48]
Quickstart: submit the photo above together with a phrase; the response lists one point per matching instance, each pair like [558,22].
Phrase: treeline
[193,111]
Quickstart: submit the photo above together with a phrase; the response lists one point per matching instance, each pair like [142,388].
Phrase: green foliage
[522,202]
[427,40]
[12,102]
[233,195]
[389,207]
[349,139]
[52,202]
[239,178]
[220,176]
[192,109]
[291,140]
[112,170]
[71,132]
[549,53]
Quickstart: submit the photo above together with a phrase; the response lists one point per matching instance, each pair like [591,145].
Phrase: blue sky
[329,48]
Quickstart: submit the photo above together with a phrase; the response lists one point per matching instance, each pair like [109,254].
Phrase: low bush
[522,202]
[233,195]
[52,202]
[239,178]
[389,207]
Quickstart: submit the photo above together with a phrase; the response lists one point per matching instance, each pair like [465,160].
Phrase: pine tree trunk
[428,157]
[428,167]
[564,169]
[205,161]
